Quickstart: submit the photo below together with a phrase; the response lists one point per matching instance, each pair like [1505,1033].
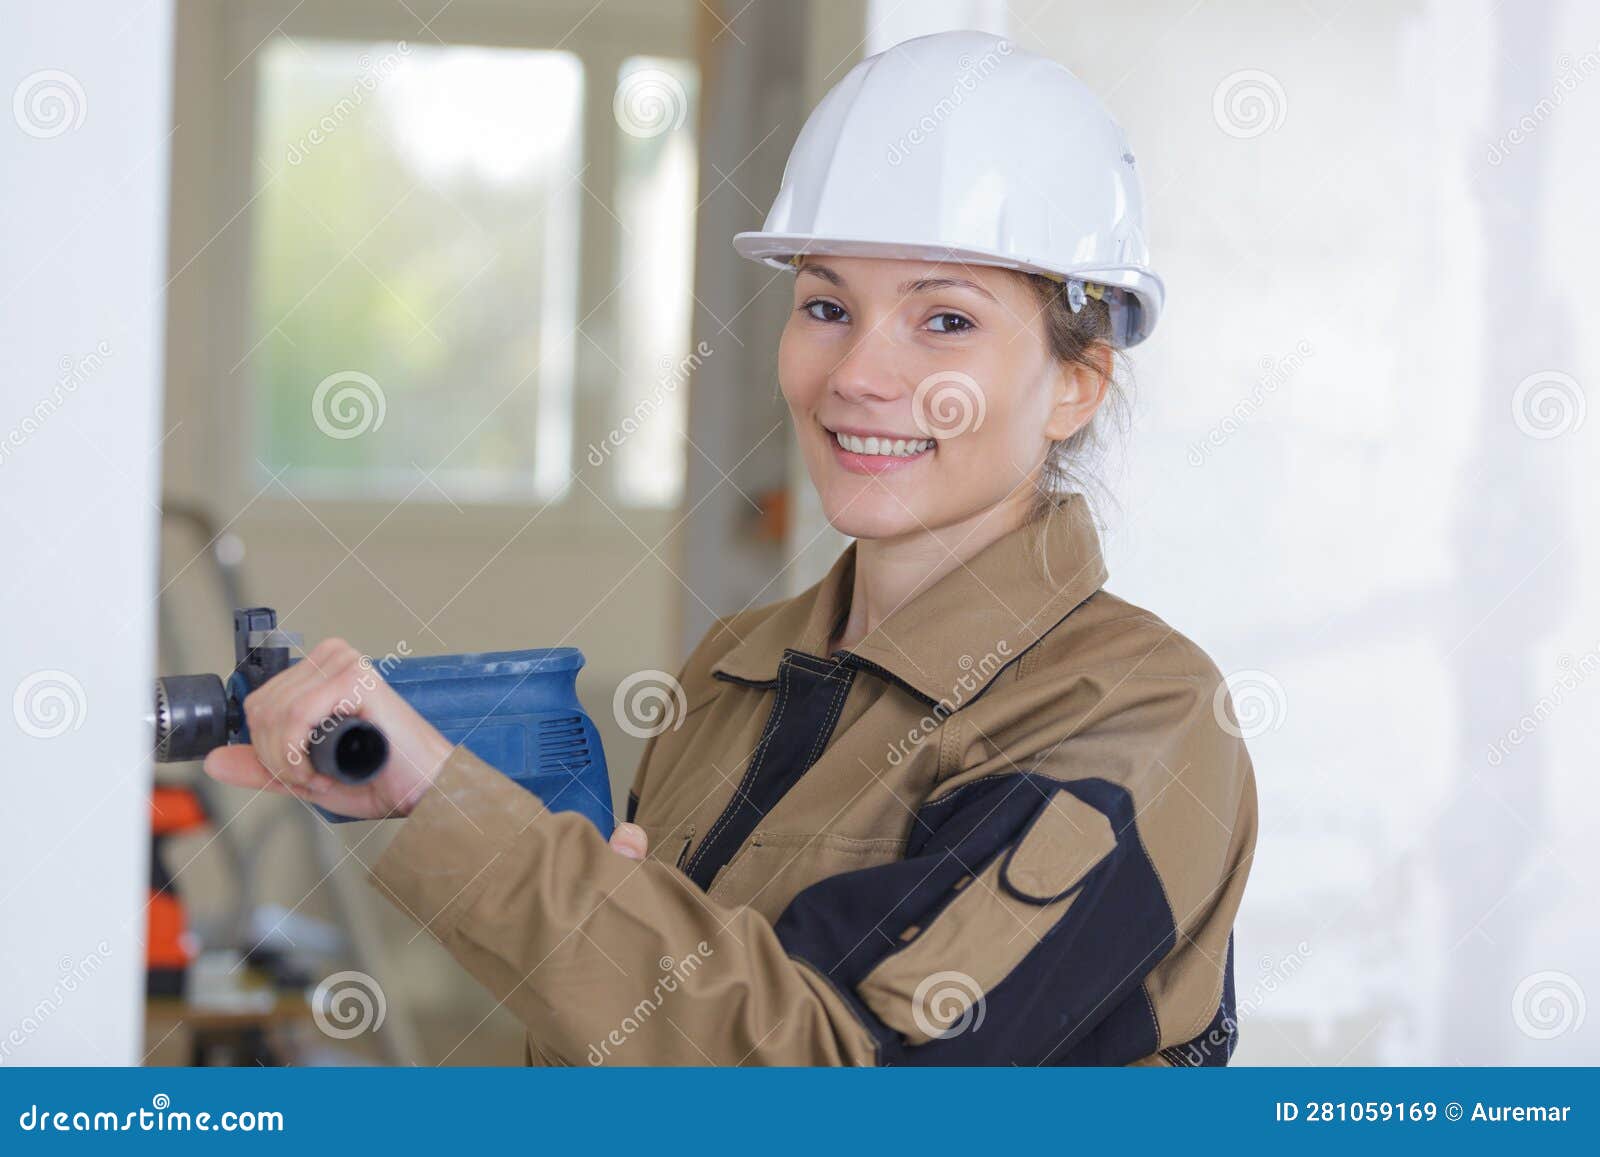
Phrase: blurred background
[452,350]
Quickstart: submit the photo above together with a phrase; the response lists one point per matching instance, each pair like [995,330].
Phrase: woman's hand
[334,679]
[629,840]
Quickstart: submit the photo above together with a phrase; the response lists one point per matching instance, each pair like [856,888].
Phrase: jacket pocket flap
[1061,846]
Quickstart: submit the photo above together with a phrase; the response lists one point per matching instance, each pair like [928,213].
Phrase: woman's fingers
[284,712]
[277,694]
[238,766]
[629,840]
[285,716]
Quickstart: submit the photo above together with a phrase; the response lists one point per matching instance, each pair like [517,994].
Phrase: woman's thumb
[629,840]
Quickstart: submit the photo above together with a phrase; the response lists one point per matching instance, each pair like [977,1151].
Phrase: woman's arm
[605,959]
[1026,923]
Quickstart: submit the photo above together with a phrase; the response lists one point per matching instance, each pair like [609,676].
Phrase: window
[655,204]
[415,268]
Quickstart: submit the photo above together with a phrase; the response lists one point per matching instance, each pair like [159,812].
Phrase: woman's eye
[961,324]
[837,314]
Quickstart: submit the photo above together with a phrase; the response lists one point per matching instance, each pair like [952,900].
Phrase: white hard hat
[960,146]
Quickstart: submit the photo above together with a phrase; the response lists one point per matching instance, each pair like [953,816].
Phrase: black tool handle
[349,750]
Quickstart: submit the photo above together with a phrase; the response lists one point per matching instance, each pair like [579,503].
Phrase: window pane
[415,268]
[654,111]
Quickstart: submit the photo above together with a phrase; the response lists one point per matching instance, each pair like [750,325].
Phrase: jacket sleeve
[1022,925]
[604,959]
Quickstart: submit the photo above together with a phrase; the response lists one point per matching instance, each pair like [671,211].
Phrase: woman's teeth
[893,447]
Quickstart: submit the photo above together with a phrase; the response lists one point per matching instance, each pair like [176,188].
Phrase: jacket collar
[949,641]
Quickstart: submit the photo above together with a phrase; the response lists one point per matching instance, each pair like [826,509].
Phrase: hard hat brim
[779,250]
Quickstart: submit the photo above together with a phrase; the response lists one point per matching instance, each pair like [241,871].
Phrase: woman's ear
[1079,390]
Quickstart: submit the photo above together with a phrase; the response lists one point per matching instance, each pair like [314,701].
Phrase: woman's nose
[872,370]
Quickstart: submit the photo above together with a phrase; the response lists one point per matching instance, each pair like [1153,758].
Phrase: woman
[954,804]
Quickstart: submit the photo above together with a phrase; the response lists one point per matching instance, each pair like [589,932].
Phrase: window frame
[649,29]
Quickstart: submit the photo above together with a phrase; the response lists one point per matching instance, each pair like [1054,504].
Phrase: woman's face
[923,393]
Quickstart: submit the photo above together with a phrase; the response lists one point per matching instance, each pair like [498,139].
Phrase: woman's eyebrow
[906,288]
[823,272]
[926,284]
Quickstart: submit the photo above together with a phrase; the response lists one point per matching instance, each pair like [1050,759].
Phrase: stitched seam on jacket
[888,676]
[1175,1057]
[747,859]
[1029,649]
[1028,663]
[1216,1002]
[950,896]
[741,681]
[842,678]
[828,668]
[742,790]
[834,841]
[1177,932]
[877,1047]
[949,755]
[1222,976]
[841,693]
[942,800]
[1144,991]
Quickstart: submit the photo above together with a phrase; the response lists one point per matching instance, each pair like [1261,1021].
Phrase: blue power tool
[518,711]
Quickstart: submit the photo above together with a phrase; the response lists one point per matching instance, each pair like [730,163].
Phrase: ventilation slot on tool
[563,746]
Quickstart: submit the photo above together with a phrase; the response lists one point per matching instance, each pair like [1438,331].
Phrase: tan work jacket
[1013,825]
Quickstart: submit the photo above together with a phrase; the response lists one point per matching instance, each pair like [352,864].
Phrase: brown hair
[1072,464]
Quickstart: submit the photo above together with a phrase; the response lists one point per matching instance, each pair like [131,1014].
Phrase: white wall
[83,191]
[1337,485]
[1361,477]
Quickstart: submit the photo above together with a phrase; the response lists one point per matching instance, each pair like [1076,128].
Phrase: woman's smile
[862,451]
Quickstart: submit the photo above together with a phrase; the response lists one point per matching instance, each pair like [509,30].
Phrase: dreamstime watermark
[1274,373]
[74,974]
[49,103]
[1548,404]
[976,674]
[649,102]
[1548,1004]
[1249,103]
[372,75]
[972,72]
[350,706]
[1260,704]
[647,703]
[347,1004]
[49,703]
[1573,671]
[347,404]
[1569,76]
[1274,974]
[674,974]
[947,404]
[74,373]
[673,377]
[160,1117]
[947,1004]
